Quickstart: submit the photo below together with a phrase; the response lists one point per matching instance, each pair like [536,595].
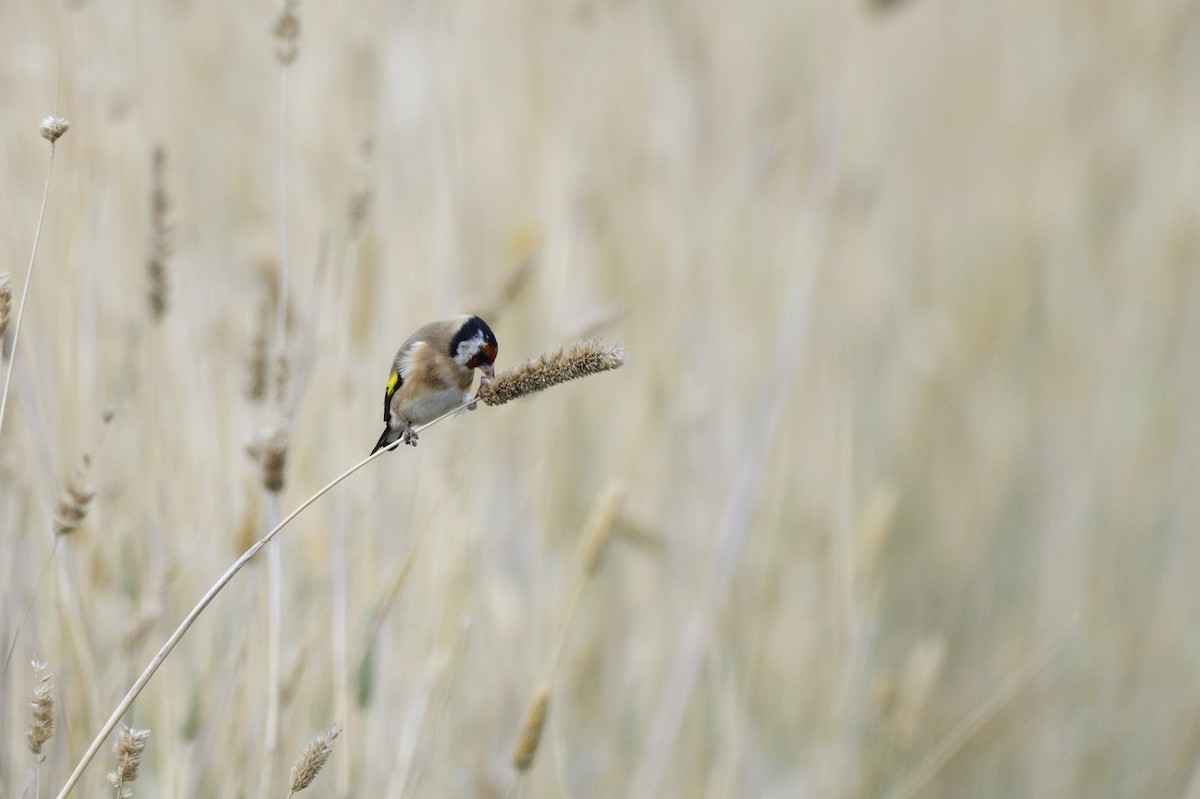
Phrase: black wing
[394,382]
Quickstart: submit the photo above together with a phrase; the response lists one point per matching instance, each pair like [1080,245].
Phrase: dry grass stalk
[531,729]
[42,726]
[263,369]
[140,683]
[128,749]
[514,283]
[150,609]
[638,534]
[281,385]
[916,780]
[73,504]
[5,302]
[364,195]
[312,759]
[287,33]
[160,236]
[566,363]
[256,384]
[600,529]
[143,625]
[274,458]
[875,527]
[53,128]
[595,323]
[246,532]
[922,667]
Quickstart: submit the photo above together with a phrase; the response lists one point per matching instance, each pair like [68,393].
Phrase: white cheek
[468,349]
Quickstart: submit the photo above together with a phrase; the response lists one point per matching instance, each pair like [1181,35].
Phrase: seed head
[5,302]
[159,247]
[600,528]
[42,726]
[128,748]
[312,759]
[566,363]
[73,504]
[274,459]
[531,729]
[52,128]
[287,33]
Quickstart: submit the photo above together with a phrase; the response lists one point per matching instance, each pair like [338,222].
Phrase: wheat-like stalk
[531,729]
[128,749]
[364,195]
[287,33]
[42,703]
[73,504]
[159,247]
[570,362]
[512,286]
[274,458]
[258,361]
[600,528]
[41,727]
[287,37]
[5,306]
[312,760]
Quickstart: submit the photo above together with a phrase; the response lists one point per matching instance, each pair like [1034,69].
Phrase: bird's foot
[409,436]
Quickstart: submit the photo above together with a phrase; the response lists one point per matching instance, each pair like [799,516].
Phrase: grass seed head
[274,459]
[531,729]
[128,749]
[159,247]
[287,33]
[5,302]
[73,504]
[312,759]
[52,128]
[42,726]
[600,528]
[576,360]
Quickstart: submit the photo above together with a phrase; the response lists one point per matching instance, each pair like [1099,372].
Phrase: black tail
[383,440]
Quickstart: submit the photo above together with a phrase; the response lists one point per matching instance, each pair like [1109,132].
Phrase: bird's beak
[489,371]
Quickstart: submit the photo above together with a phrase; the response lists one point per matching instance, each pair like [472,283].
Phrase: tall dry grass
[911,294]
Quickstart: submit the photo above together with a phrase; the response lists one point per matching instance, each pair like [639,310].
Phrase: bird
[432,374]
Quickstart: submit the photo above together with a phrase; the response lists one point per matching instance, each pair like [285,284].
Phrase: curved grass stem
[205,601]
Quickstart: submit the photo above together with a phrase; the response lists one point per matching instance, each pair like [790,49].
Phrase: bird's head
[474,346]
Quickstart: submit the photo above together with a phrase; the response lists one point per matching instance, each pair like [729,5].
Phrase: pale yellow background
[908,431]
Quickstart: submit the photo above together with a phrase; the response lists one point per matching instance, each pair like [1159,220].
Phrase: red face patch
[486,355]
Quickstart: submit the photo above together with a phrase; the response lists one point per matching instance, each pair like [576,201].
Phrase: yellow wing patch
[393,382]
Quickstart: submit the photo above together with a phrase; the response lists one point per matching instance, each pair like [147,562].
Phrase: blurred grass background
[907,435]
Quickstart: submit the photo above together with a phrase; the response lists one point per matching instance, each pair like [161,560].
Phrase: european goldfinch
[432,374]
